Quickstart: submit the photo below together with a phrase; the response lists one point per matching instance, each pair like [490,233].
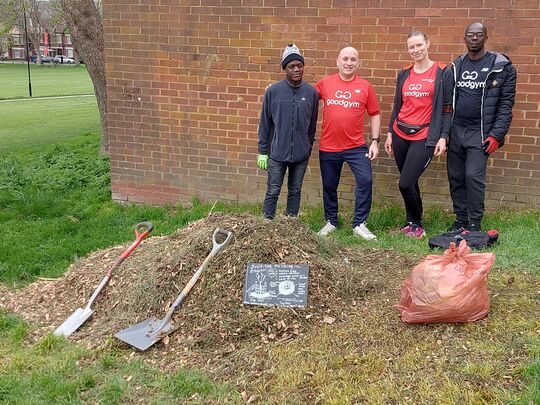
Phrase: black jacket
[288,121]
[441,116]
[498,96]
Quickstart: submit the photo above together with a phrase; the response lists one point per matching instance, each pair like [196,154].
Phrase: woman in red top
[420,124]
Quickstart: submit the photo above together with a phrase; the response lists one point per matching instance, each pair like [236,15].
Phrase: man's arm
[375,134]
[448,100]
[507,97]
[265,124]
[314,115]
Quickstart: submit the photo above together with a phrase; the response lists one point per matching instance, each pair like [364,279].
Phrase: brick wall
[186,78]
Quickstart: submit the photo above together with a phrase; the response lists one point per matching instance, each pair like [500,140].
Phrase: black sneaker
[457,227]
[472,227]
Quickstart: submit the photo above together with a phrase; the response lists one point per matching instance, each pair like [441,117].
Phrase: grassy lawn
[57,199]
[55,207]
[29,122]
[47,80]
[54,371]
[33,122]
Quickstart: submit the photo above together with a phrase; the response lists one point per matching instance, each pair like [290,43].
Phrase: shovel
[146,333]
[80,316]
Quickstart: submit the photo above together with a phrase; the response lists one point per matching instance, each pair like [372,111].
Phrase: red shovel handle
[142,230]
[146,227]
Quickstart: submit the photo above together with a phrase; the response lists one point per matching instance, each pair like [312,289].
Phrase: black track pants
[412,158]
[466,164]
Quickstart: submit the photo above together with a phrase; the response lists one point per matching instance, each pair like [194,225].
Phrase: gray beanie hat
[290,53]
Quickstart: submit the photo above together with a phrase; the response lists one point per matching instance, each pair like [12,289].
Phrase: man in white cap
[286,132]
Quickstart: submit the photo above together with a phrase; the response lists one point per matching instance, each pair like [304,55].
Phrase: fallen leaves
[248,399]
[329,319]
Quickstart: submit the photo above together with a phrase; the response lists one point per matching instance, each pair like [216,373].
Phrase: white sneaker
[362,231]
[328,228]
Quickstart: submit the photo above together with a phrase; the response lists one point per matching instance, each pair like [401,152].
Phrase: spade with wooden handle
[146,333]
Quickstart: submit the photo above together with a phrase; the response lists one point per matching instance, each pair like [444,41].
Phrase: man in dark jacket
[484,94]
[287,132]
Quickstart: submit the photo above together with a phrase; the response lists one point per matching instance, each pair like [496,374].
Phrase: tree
[32,11]
[83,18]
[35,13]
[6,40]
[13,13]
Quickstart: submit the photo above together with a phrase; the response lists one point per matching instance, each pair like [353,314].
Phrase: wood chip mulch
[212,323]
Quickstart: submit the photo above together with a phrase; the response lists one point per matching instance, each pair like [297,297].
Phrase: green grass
[47,80]
[531,372]
[54,371]
[27,123]
[518,242]
[57,200]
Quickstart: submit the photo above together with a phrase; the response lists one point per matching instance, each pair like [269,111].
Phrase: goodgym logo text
[468,80]
[342,98]
[414,91]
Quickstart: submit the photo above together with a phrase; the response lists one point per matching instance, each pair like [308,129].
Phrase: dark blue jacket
[498,96]
[288,121]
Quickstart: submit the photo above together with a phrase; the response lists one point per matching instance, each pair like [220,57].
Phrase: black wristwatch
[375,140]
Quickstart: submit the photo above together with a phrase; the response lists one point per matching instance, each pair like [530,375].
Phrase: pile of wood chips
[212,322]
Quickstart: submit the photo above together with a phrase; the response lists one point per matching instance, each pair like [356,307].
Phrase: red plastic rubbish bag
[447,288]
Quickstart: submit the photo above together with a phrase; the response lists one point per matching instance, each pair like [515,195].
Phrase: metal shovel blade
[73,323]
[144,334]
[76,319]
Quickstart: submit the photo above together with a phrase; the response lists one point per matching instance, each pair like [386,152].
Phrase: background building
[57,43]
[47,35]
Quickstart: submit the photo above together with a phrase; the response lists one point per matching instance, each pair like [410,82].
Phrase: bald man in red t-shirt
[347,97]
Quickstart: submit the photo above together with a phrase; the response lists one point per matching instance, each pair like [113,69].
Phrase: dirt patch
[212,322]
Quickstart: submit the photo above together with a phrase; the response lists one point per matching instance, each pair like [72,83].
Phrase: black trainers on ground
[472,227]
[457,227]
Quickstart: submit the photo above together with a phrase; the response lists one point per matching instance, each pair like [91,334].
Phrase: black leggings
[412,158]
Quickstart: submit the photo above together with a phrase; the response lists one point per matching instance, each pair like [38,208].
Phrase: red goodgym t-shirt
[344,106]
[417,96]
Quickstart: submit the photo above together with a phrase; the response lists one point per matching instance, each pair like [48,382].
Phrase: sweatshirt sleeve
[507,97]
[448,100]
[314,115]
[397,103]
[318,87]
[265,124]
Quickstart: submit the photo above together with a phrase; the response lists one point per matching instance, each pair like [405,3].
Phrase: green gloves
[262,162]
